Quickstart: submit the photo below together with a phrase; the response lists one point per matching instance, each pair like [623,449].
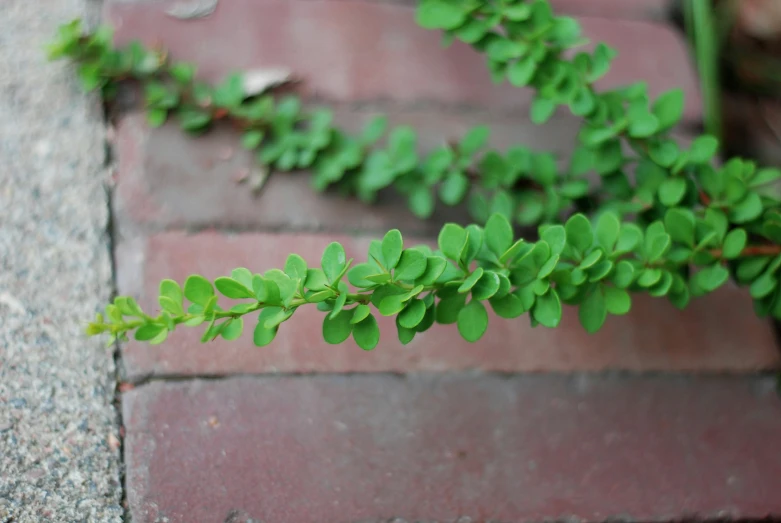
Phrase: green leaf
[593,311]
[440,14]
[703,149]
[680,225]
[295,267]
[470,281]
[542,109]
[198,289]
[711,278]
[405,335]
[607,230]
[547,309]
[498,234]
[436,164]
[508,307]
[487,286]
[643,125]
[617,301]
[763,286]
[315,280]
[169,305]
[472,321]
[171,289]
[374,129]
[232,329]
[594,136]
[341,300]
[531,210]
[156,117]
[435,266]
[366,333]
[649,277]
[149,331]
[193,119]
[391,305]
[624,274]
[232,289]
[750,268]
[734,243]
[521,72]
[243,276]
[474,140]
[448,308]
[360,312]
[765,176]
[412,314]
[750,208]
[556,238]
[160,338]
[262,336]
[451,240]
[251,139]
[412,265]
[672,191]
[579,233]
[421,202]
[333,261]
[337,329]
[668,108]
[392,245]
[182,72]
[277,280]
[657,247]
[472,31]
[664,153]
[454,188]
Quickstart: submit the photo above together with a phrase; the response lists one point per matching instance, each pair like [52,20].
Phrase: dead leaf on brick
[257,179]
[258,81]
[192,9]
[113,441]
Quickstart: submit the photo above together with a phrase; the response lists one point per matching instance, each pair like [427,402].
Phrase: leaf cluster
[632,211]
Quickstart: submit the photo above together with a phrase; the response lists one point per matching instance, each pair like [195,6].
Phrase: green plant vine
[680,227]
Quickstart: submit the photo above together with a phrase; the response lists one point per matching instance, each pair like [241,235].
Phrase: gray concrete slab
[59,459]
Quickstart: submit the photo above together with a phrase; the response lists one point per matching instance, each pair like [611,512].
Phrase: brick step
[655,336]
[453,449]
[357,51]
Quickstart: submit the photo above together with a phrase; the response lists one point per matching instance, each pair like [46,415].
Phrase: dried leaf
[257,81]
[257,179]
[192,9]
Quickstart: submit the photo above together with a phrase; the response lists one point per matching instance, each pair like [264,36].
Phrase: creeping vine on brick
[681,228]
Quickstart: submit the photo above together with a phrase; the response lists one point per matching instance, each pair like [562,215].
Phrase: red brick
[478,448]
[654,336]
[357,51]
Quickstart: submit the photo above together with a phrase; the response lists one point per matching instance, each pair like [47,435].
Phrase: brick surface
[654,336]
[453,449]
[353,50]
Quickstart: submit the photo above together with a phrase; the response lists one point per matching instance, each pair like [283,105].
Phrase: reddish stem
[753,250]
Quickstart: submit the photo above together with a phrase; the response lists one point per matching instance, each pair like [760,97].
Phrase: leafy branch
[593,266]
[681,226]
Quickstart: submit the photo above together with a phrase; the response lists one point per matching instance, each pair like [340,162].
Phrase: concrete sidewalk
[59,455]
